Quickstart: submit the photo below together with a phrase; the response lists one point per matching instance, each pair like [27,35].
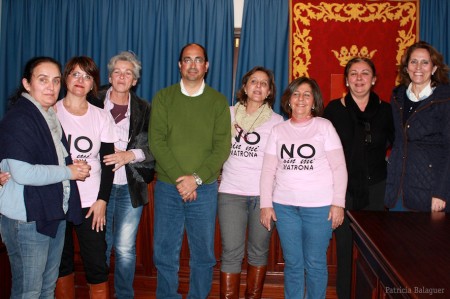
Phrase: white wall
[238,9]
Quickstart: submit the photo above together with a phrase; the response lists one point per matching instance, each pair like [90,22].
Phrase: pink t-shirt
[242,170]
[303,176]
[85,134]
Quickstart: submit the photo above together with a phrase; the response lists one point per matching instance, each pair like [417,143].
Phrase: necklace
[241,130]
[260,112]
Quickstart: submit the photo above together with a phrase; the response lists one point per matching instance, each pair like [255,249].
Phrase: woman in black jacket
[364,124]
[134,167]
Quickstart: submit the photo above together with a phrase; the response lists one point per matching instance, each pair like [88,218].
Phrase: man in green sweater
[190,138]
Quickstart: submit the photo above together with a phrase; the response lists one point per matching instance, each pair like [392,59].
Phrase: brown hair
[440,76]
[292,87]
[28,73]
[242,96]
[86,64]
[359,59]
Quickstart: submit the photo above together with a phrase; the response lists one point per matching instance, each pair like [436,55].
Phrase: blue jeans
[172,216]
[305,234]
[236,213]
[122,222]
[34,258]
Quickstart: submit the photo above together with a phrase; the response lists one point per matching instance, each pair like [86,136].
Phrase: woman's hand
[99,218]
[80,170]
[267,216]
[336,216]
[119,158]
[4,177]
[437,204]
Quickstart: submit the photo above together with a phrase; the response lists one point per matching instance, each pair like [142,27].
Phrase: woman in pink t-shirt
[91,135]
[252,119]
[303,183]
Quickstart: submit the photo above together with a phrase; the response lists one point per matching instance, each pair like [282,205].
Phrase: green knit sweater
[189,134]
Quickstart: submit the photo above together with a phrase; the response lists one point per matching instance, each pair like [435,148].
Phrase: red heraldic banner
[325,34]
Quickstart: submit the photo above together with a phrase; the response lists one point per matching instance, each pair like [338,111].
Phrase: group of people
[301,174]
[78,164]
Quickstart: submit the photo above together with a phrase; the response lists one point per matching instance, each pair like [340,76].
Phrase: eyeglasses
[368,136]
[196,60]
[78,75]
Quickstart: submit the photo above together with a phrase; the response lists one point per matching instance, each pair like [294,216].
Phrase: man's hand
[187,186]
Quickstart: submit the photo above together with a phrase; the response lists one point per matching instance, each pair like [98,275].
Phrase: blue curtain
[264,41]
[155,30]
[435,25]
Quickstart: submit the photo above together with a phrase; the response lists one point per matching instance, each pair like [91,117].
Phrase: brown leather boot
[65,287]
[229,285]
[255,281]
[99,290]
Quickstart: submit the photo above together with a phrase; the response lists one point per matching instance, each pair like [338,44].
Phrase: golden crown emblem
[345,54]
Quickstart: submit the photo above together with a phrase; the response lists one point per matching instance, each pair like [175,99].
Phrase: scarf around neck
[248,123]
[356,156]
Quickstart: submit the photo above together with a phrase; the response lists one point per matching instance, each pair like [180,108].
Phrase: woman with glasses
[39,195]
[303,182]
[252,118]
[419,164]
[365,126]
[91,136]
[133,167]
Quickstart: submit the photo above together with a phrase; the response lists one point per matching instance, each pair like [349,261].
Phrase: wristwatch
[198,180]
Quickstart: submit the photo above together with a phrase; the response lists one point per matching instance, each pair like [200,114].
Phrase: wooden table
[400,255]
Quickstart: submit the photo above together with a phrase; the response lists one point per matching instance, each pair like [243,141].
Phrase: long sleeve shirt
[12,203]
[304,165]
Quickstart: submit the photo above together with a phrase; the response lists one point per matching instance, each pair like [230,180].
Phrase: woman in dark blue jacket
[41,193]
[419,165]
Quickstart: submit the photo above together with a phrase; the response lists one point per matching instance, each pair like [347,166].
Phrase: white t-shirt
[85,134]
[303,175]
[242,170]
